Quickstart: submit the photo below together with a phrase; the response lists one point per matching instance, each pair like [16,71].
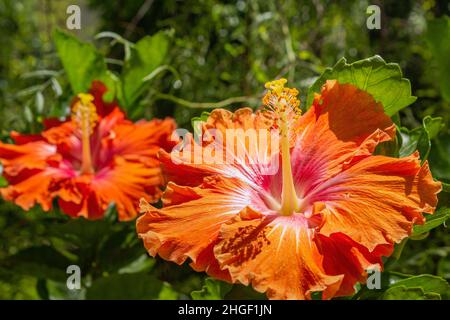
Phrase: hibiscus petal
[276,255]
[189,228]
[233,145]
[343,124]
[125,183]
[343,256]
[24,138]
[32,186]
[98,90]
[144,138]
[32,155]
[377,200]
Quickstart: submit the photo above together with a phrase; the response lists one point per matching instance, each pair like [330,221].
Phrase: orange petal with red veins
[276,255]
[32,155]
[88,205]
[32,186]
[243,152]
[343,256]
[377,200]
[343,125]
[144,138]
[189,228]
[243,118]
[125,184]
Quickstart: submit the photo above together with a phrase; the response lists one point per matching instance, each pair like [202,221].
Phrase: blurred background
[218,53]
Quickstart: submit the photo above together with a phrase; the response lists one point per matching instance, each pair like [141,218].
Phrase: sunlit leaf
[3,182]
[382,80]
[146,55]
[433,221]
[420,138]
[196,123]
[82,63]
[422,287]
[16,286]
[405,293]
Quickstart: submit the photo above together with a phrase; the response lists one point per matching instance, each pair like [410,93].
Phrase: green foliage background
[181,58]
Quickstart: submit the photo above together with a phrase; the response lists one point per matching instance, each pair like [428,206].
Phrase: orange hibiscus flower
[318,223]
[88,162]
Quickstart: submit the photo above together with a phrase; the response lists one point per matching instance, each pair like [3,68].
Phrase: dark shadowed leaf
[136,286]
[41,262]
[438,38]
[439,157]
[420,138]
[212,290]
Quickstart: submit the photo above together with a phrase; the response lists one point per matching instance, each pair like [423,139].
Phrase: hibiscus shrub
[343,199]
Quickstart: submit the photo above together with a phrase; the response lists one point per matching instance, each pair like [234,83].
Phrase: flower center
[84,115]
[285,104]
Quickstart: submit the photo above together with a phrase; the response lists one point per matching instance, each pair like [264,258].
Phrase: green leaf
[390,148]
[412,140]
[422,287]
[241,292]
[443,269]
[433,126]
[202,118]
[445,187]
[146,55]
[433,221]
[439,159]
[196,124]
[420,138]
[399,249]
[438,39]
[14,286]
[136,286]
[82,63]
[41,262]
[120,249]
[404,293]
[141,264]
[380,79]
[39,102]
[212,290]
[3,182]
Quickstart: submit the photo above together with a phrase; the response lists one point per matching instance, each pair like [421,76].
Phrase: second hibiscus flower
[96,158]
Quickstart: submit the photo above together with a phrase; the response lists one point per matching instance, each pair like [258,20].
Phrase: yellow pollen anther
[281,99]
[84,112]
[84,115]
